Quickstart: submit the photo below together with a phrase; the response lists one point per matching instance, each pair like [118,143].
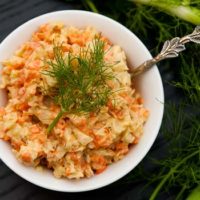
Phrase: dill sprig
[81,80]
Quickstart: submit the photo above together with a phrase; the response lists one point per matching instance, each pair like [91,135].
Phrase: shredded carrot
[40,136]
[6,138]
[136,140]
[66,47]
[21,119]
[98,159]
[67,171]
[146,113]
[26,157]
[110,105]
[140,100]
[2,111]
[135,108]
[35,65]
[98,171]
[103,141]
[32,75]
[106,40]
[43,28]
[41,36]
[117,113]
[17,144]
[50,54]
[122,148]
[18,64]
[35,128]
[23,106]
[76,38]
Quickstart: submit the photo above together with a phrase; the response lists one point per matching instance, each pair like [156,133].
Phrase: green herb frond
[190,82]
[180,168]
[81,80]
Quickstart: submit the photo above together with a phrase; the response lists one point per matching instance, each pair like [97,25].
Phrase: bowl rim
[117,177]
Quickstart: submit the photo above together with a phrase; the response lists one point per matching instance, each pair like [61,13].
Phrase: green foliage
[181,167]
[195,195]
[154,22]
[190,82]
[183,9]
[144,20]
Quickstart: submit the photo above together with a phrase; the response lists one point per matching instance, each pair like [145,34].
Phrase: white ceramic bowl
[149,85]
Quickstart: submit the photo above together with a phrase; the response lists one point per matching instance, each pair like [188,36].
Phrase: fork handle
[171,49]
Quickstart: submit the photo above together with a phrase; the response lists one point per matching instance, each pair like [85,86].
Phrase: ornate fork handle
[171,49]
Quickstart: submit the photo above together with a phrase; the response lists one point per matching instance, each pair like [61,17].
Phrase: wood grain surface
[12,14]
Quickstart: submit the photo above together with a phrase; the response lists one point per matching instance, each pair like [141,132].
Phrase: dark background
[14,13]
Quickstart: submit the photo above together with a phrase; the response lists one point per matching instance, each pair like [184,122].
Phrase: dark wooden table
[12,14]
